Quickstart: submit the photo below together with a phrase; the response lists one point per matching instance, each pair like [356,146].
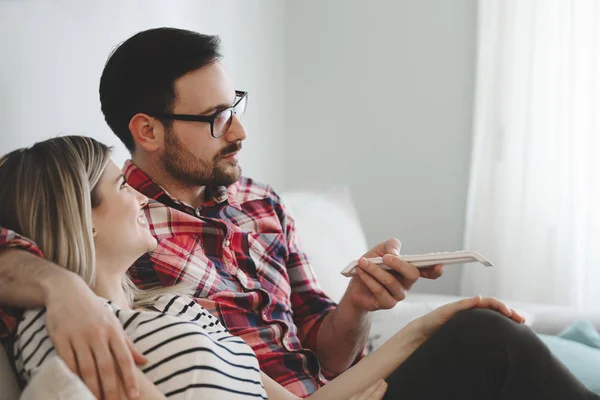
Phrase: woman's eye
[124,184]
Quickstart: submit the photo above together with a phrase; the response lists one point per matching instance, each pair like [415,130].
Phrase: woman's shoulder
[171,303]
[185,307]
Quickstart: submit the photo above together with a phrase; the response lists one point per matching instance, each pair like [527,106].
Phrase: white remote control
[428,260]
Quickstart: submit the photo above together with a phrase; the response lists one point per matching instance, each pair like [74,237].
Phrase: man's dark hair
[140,73]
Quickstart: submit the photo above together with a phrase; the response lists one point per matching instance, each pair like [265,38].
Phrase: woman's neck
[110,287]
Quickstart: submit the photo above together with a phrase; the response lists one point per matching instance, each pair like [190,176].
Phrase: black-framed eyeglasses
[220,121]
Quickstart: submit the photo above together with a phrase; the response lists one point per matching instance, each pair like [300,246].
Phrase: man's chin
[229,176]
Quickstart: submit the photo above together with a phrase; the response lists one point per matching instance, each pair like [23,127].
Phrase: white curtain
[534,195]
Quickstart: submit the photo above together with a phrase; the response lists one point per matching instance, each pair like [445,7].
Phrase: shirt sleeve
[8,315]
[32,345]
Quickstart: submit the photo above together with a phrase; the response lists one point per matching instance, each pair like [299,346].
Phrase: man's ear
[147,132]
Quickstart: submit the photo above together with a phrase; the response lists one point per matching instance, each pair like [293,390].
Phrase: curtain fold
[534,191]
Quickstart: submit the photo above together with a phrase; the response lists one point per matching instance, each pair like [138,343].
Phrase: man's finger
[392,246]
[106,371]
[125,353]
[138,357]
[65,351]
[410,274]
[432,272]
[86,367]
[388,280]
[382,296]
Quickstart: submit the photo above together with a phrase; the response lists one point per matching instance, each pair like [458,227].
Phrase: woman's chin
[149,241]
[145,245]
[152,244]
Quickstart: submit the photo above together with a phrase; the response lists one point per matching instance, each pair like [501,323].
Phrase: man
[166,95]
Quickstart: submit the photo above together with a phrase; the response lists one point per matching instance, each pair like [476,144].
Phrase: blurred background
[410,107]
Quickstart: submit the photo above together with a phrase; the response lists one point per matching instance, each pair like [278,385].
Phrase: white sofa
[331,233]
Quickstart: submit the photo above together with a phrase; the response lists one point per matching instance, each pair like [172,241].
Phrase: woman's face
[120,229]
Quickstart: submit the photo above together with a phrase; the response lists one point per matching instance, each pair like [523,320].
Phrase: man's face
[191,155]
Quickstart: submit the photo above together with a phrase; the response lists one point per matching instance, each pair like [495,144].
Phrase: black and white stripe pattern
[191,355]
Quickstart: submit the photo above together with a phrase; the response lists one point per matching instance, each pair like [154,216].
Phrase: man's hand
[373,288]
[90,339]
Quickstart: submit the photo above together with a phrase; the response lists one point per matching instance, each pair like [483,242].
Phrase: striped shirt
[190,354]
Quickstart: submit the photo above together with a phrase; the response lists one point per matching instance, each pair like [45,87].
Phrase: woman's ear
[147,132]
[94,234]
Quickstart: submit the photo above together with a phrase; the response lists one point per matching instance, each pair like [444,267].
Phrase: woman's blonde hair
[47,193]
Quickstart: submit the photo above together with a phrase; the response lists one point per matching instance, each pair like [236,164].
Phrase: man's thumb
[393,246]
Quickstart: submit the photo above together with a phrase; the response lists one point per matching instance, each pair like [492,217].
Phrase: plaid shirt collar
[213,195]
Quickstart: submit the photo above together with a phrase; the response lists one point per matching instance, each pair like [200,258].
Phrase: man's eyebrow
[221,106]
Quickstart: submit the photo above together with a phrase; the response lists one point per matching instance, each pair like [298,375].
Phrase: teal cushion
[578,351]
[582,332]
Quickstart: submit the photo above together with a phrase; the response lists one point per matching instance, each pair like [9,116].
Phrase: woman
[72,200]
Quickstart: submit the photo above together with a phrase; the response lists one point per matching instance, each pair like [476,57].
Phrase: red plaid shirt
[241,250]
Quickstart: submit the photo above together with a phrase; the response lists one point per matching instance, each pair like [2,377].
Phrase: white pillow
[385,323]
[330,233]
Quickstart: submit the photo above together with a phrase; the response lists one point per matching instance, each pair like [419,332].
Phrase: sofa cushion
[583,361]
[330,233]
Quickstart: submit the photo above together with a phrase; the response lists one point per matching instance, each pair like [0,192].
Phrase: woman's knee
[488,325]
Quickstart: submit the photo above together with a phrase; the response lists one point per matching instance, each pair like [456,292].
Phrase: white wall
[52,54]
[379,97]
[376,95]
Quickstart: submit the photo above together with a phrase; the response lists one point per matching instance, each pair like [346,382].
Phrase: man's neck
[188,194]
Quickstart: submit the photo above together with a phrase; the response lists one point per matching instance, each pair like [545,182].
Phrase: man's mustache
[232,148]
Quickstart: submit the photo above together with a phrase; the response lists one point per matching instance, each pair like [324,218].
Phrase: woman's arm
[276,392]
[394,352]
[373,368]
[358,380]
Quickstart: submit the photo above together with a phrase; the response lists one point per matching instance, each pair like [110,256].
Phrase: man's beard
[182,165]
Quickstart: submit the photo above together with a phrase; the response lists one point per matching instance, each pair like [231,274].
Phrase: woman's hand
[374,392]
[431,322]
